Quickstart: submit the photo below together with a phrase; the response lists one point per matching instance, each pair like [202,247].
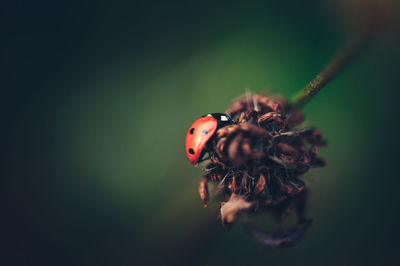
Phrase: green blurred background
[97,97]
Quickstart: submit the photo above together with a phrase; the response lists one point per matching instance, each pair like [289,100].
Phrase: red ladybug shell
[198,135]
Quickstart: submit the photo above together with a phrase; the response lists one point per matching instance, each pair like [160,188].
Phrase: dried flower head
[259,159]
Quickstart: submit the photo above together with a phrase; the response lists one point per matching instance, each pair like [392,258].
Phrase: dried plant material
[260,186]
[203,191]
[258,161]
[263,154]
[231,208]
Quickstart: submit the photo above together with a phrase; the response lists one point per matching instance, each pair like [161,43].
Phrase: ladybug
[200,132]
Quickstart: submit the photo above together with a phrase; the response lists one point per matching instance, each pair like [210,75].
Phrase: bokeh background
[97,97]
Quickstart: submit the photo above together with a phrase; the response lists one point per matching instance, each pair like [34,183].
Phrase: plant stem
[343,59]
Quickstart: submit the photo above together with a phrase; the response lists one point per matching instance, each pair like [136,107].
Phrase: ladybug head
[200,132]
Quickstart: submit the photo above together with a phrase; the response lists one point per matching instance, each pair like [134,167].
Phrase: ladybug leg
[203,157]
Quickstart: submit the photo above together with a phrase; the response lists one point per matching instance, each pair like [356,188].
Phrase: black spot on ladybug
[204,131]
[191,130]
[191,151]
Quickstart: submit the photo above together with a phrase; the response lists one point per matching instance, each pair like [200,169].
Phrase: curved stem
[343,59]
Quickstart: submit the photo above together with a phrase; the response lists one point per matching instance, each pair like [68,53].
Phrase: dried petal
[231,208]
[260,186]
[292,187]
[203,191]
[232,185]
[273,119]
